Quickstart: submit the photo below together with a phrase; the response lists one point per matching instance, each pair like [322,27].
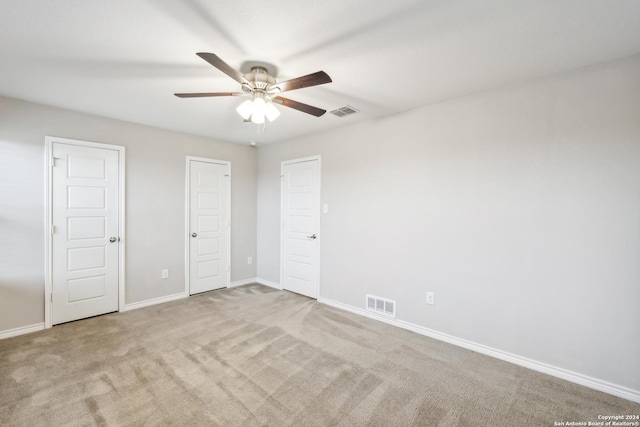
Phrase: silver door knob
[194,234]
[313,236]
[113,239]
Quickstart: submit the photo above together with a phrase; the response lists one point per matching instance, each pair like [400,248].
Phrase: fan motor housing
[259,79]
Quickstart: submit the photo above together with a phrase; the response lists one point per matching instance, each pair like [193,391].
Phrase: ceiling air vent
[347,110]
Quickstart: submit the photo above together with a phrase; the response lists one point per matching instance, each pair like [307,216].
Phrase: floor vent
[382,306]
[347,110]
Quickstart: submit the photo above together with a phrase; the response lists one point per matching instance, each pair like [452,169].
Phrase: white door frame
[187,219]
[282,231]
[48,261]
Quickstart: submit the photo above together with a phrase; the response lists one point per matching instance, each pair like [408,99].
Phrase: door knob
[313,236]
[194,234]
[113,239]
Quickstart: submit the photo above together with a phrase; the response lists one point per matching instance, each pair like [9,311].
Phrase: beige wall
[519,208]
[155,203]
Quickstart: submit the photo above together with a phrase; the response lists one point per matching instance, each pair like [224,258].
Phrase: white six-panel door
[208,228]
[85,231]
[300,226]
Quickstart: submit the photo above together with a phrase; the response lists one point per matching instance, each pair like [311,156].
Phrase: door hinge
[51,296]
[53,161]
[227,267]
[53,229]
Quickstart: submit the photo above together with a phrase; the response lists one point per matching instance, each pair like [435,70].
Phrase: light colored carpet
[257,356]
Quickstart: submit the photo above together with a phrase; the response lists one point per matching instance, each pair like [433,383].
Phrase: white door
[208,226]
[300,226]
[85,231]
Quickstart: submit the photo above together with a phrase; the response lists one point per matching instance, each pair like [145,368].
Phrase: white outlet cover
[431,298]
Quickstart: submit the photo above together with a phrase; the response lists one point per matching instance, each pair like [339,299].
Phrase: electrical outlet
[431,298]
[165,273]
[250,260]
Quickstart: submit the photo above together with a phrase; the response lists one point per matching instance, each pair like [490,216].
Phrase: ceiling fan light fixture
[259,110]
[245,109]
[271,112]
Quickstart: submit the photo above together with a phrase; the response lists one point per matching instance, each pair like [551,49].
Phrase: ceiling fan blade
[314,79]
[214,60]
[314,111]
[203,94]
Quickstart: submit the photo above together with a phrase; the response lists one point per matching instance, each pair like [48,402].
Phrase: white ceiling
[125,58]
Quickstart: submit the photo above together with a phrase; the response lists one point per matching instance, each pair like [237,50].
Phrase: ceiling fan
[263,90]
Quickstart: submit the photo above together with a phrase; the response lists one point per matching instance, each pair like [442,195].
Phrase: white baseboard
[574,377]
[153,301]
[269,283]
[21,330]
[243,282]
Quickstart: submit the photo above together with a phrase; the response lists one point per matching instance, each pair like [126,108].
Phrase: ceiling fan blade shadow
[204,94]
[309,109]
[318,78]
[204,21]
[214,60]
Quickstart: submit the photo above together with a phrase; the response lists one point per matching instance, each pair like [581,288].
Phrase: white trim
[243,282]
[301,160]
[317,158]
[48,143]
[574,377]
[48,153]
[269,283]
[154,301]
[21,330]
[187,218]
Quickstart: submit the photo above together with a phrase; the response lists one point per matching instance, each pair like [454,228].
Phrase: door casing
[48,276]
[187,220]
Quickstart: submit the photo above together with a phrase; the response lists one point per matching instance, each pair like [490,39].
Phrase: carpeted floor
[252,356]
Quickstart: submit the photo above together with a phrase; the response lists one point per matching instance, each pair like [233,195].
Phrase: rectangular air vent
[347,110]
[382,306]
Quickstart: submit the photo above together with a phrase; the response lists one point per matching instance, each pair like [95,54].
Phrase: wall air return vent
[382,306]
[347,110]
